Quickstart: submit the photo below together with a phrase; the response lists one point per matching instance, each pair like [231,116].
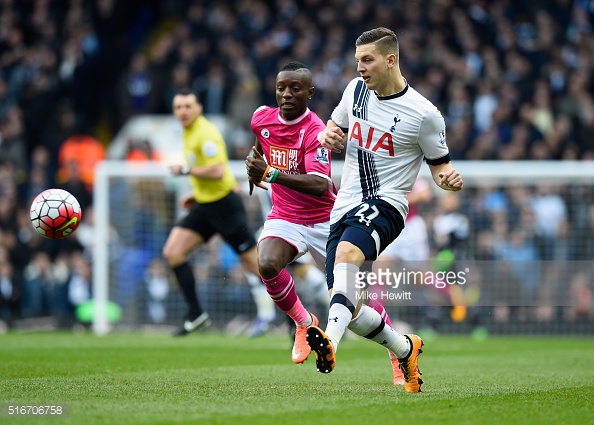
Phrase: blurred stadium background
[82,81]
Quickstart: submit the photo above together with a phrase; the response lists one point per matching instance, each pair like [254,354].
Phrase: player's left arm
[187,201]
[317,162]
[446,176]
[432,140]
[309,184]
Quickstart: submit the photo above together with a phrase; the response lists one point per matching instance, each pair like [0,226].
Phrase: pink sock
[381,310]
[281,289]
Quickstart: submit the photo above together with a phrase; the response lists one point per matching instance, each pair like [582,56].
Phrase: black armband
[443,160]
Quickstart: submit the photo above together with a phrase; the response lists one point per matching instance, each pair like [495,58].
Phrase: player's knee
[166,252]
[342,299]
[366,322]
[346,252]
[269,266]
[172,255]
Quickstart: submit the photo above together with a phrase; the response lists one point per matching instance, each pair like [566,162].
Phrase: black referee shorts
[227,217]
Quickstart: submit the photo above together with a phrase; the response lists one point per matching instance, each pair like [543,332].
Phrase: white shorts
[310,238]
[412,244]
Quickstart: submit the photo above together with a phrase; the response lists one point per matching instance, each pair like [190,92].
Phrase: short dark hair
[293,66]
[185,91]
[297,66]
[385,40]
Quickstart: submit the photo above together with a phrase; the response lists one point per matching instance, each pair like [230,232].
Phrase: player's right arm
[258,170]
[332,137]
[253,181]
[211,172]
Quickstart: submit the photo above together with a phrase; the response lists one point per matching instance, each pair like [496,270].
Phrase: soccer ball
[55,213]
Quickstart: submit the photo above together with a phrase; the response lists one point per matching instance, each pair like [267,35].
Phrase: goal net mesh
[526,226]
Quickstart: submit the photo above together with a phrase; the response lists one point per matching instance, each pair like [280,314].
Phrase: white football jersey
[387,140]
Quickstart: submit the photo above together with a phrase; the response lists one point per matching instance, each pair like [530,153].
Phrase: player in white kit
[389,128]
[288,155]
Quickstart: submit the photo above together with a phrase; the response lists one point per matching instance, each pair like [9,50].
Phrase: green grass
[218,379]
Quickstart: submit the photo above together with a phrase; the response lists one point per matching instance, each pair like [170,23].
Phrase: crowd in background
[513,79]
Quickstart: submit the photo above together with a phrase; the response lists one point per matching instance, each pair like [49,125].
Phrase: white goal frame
[474,173]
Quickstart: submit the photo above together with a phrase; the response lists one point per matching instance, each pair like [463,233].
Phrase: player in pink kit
[287,155]
[413,242]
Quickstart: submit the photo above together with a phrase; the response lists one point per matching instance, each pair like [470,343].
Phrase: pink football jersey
[292,147]
[420,184]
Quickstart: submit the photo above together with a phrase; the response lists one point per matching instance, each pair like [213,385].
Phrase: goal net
[525,227]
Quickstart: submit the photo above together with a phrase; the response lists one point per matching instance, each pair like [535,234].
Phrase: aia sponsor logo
[372,141]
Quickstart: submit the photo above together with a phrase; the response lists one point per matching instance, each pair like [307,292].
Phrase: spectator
[245,93]
[136,93]
[550,221]
[522,258]
[451,228]
[142,150]
[214,89]
[43,286]
[514,81]
[180,77]
[10,291]
[79,282]
[12,144]
[77,158]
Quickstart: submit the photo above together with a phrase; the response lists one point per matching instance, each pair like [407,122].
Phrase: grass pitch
[219,379]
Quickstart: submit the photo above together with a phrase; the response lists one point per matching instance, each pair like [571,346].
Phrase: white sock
[368,324]
[265,307]
[316,280]
[366,321]
[397,343]
[339,317]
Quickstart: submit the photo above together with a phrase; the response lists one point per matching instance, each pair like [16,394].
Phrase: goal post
[101,208]
[135,207]
[148,179]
